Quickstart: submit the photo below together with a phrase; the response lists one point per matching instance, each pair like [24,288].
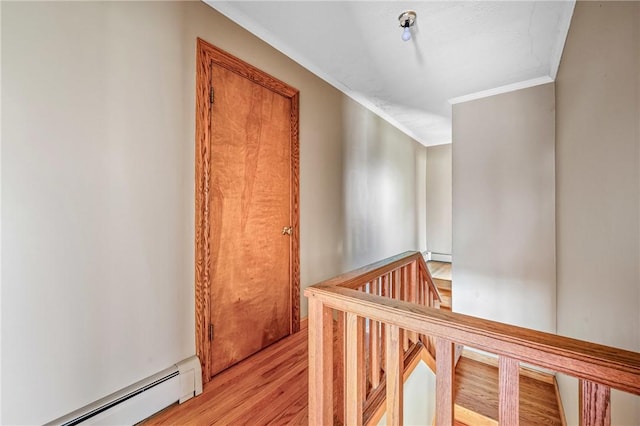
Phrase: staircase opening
[369,332]
[389,309]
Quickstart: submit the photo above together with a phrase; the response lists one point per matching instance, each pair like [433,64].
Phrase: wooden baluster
[444,382]
[339,367]
[425,287]
[509,391]
[380,329]
[363,360]
[320,363]
[396,286]
[389,280]
[422,300]
[412,293]
[354,372]
[384,285]
[421,286]
[595,404]
[366,356]
[374,350]
[385,291]
[428,341]
[405,297]
[405,284]
[426,296]
[408,281]
[418,291]
[366,353]
[393,372]
[395,294]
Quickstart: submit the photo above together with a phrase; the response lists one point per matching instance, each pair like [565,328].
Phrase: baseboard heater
[142,399]
[440,257]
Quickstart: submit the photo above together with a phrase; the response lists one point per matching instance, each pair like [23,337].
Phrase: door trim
[206,55]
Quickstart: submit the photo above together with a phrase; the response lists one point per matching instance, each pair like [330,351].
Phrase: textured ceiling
[457,49]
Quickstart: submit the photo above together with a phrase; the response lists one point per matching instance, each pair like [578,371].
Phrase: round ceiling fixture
[407,20]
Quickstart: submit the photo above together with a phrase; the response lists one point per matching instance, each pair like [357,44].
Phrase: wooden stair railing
[598,367]
[403,277]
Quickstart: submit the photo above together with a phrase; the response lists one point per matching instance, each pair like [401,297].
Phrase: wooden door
[247,224]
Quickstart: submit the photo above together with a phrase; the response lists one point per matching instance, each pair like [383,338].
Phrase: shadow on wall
[381,210]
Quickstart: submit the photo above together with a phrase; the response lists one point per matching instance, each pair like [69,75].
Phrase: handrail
[598,367]
[401,277]
[617,368]
[363,275]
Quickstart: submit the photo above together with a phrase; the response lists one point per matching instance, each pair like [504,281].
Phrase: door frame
[206,55]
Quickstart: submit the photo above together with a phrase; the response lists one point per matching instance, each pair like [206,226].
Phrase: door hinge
[210,332]
[211,95]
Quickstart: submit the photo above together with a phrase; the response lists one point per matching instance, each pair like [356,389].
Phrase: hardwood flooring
[476,386]
[440,270]
[269,388]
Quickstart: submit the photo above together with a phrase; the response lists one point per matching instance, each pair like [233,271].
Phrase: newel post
[444,382]
[320,363]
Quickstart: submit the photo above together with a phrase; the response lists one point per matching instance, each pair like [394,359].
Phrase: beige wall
[439,199]
[598,186]
[97,191]
[504,208]
[381,181]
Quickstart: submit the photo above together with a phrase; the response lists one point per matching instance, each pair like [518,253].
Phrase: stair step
[446,302]
[477,393]
[441,274]
[440,270]
[444,288]
[443,285]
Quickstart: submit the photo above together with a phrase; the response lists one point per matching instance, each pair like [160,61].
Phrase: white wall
[98,199]
[382,177]
[504,208]
[421,198]
[97,251]
[439,199]
[598,187]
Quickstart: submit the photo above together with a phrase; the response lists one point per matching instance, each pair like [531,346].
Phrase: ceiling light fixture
[407,20]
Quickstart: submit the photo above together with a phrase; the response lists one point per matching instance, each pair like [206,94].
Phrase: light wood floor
[269,388]
[440,270]
[477,390]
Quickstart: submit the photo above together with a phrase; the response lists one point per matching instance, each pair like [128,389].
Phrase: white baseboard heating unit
[142,399]
[439,257]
